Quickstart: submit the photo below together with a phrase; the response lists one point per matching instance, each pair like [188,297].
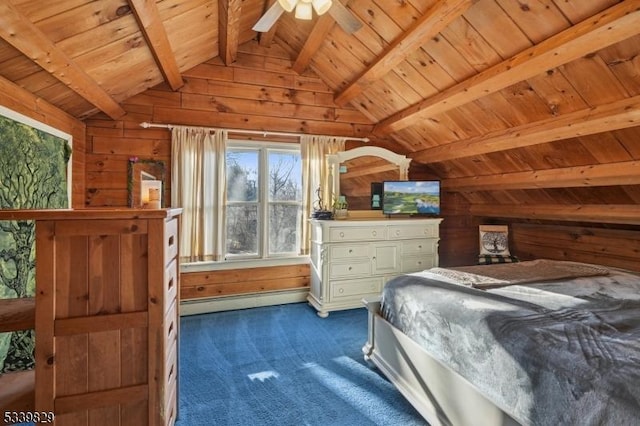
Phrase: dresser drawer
[170,284]
[349,251]
[429,230]
[170,327]
[419,246]
[171,407]
[354,269]
[170,403]
[358,233]
[171,365]
[417,263]
[171,240]
[355,288]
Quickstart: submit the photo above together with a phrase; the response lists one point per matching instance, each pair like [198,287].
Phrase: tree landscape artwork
[33,175]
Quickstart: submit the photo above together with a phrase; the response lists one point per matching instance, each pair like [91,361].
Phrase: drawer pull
[350,268]
[350,250]
[374,233]
[341,290]
[420,246]
[342,234]
[170,373]
[397,232]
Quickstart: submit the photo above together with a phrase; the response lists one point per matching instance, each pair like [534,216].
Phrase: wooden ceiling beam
[311,46]
[598,213]
[23,35]
[229,12]
[317,36]
[438,17]
[623,173]
[611,26]
[616,115]
[265,39]
[148,18]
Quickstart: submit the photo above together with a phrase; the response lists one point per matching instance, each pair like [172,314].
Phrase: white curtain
[315,172]
[198,186]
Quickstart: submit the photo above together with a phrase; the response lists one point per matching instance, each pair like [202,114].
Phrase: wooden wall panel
[258,92]
[612,247]
[196,285]
[458,232]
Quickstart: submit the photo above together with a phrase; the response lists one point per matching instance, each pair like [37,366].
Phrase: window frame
[263,203]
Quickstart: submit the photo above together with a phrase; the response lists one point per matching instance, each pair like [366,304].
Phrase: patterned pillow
[486,259]
[494,240]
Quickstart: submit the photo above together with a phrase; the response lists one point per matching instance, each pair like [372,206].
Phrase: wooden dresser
[352,259]
[106,315]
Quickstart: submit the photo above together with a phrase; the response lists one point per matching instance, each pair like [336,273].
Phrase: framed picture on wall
[28,146]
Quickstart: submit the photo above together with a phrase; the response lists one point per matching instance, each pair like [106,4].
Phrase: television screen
[411,197]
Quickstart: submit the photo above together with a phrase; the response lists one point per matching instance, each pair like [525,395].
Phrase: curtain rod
[147,125]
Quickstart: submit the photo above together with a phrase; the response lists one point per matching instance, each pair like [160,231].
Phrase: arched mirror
[353,171]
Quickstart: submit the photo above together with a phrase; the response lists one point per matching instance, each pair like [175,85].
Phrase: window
[264,200]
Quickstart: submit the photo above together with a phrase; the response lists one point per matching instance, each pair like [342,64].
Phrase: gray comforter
[565,352]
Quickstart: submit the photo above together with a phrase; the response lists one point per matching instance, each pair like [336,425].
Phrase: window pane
[283,226]
[285,176]
[242,175]
[242,229]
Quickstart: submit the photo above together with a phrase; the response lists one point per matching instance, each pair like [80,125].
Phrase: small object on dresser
[341,214]
[322,215]
[319,210]
[340,208]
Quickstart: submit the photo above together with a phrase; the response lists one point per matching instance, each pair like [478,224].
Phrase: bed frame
[440,395]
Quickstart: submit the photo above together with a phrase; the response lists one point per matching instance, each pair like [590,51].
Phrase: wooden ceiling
[501,98]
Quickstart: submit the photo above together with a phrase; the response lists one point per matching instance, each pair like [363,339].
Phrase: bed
[532,343]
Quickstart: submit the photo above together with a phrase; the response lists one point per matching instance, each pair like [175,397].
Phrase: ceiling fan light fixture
[288,5]
[304,10]
[321,6]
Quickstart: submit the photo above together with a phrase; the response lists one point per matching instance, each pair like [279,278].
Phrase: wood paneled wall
[257,92]
[458,232]
[612,247]
[25,103]
[197,285]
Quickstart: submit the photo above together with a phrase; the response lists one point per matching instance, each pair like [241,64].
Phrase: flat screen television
[411,197]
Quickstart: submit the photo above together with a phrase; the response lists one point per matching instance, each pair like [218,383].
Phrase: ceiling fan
[304,10]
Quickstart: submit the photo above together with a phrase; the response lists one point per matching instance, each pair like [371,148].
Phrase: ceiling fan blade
[270,17]
[344,18]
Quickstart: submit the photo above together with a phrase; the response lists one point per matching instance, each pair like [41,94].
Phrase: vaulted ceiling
[533,93]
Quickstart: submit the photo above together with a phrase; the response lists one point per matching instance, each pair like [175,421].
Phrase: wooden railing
[17,388]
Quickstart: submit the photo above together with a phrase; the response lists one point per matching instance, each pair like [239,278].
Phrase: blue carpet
[283,365]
